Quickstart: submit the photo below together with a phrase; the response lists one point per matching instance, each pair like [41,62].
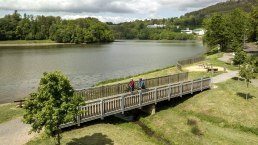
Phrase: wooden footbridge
[109,100]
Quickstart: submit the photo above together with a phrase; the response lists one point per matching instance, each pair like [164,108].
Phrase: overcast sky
[105,10]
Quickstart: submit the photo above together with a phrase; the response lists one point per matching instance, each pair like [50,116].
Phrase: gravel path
[15,132]
[227,57]
[255,82]
[225,76]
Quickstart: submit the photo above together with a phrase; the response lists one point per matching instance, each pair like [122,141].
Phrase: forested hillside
[224,7]
[29,27]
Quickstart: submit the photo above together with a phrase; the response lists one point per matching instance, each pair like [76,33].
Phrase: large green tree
[53,104]
[228,30]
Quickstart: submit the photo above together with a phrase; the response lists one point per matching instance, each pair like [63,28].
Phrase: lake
[22,67]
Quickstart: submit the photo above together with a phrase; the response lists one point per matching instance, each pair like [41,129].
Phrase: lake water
[22,67]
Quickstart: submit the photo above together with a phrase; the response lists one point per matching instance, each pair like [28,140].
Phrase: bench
[212,69]
[20,102]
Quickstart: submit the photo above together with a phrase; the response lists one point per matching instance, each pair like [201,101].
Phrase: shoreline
[31,44]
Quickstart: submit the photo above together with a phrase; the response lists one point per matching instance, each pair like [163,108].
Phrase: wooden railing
[100,108]
[104,91]
[191,60]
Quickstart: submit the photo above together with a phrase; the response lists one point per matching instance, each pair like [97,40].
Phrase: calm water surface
[22,67]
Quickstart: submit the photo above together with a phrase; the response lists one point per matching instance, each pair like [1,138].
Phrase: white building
[187,31]
[156,26]
[199,32]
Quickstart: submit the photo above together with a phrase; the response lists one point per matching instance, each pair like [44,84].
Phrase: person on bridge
[131,85]
[141,84]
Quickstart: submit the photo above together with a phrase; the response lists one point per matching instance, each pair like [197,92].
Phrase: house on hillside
[199,32]
[156,26]
[187,31]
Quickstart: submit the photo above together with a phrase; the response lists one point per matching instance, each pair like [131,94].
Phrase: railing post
[123,104]
[155,96]
[101,109]
[78,116]
[181,89]
[140,99]
[201,84]
[192,87]
[118,86]
[169,92]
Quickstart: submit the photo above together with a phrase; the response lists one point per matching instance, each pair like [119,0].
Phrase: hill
[223,7]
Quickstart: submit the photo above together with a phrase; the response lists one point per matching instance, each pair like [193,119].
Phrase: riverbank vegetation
[29,27]
[27,42]
[230,31]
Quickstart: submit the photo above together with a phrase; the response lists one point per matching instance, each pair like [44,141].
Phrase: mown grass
[100,134]
[9,112]
[25,41]
[221,116]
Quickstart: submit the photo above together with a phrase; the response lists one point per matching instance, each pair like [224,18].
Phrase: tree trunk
[58,138]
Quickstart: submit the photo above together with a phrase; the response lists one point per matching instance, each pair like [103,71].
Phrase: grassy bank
[211,59]
[150,74]
[9,112]
[26,41]
[218,116]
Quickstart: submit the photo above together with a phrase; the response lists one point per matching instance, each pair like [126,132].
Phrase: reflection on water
[22,67]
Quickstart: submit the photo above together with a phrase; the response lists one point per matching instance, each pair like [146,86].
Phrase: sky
[105,10]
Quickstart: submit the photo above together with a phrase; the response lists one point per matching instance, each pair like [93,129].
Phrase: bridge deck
[100,108]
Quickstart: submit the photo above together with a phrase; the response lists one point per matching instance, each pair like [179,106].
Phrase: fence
[191,60]
[100,108]
[104,91]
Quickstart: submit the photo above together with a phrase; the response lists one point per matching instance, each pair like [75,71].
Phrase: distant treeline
[139,30]
[28,27]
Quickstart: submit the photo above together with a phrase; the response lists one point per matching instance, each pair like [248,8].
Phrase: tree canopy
[230,30]
[28,27]
[53,104]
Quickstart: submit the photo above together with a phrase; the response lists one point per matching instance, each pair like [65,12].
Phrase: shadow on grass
[243,95]
[238,79]
[95,139]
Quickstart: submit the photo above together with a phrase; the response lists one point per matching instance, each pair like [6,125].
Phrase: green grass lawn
[100,134]
[25,41]
[220,116]
[9,112]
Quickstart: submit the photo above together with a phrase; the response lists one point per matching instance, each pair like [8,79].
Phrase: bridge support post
[78,117]
[201,83]
[102,109]
[181,89]
[192,87]
[155,95]
[140,98]
[151,109]
[123,104]
[169,92]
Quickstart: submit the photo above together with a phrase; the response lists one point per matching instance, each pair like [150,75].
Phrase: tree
[240,57]
[217,31]
[53,104]
[247,72]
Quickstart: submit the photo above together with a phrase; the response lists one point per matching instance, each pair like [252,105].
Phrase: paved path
[225,76]
[255,82]
[227,57]
[14,132]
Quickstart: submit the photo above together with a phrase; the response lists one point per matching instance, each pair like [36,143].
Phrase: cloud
[98,6]
[114,19]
